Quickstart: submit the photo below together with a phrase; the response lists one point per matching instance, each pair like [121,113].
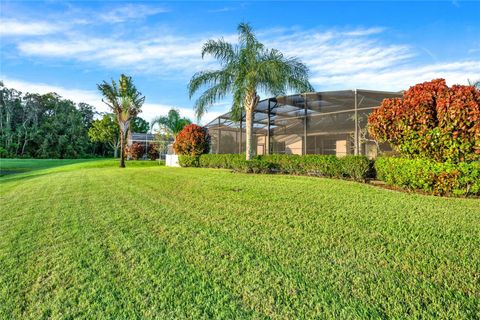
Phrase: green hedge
[358,168]
[459,179]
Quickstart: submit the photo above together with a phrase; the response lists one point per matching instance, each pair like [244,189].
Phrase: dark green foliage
[252,166]
[43,126]
[172,123]
[105,131]
[459,179]
[357,168]
[139,125]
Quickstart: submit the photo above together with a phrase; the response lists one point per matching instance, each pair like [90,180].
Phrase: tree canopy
[172,123]
[126,102]
[43,126]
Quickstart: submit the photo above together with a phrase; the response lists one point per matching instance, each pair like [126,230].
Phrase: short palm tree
[172,123]
[245,69]
[126,102]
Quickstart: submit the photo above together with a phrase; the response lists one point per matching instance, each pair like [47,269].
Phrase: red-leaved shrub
[431,121]
[153,152]
[192,140]
[134,151]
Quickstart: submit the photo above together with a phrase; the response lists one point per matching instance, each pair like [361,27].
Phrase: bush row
[358,168]
[461,179]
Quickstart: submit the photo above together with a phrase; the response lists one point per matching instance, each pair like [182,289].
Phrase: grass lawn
[90,240]
[11,166]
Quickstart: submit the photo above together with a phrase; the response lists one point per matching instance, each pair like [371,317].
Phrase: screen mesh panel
[332,122]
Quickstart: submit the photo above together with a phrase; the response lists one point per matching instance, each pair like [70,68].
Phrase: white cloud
[160,55]
[131,12]
[76,95]
[12,27]
[337,58]
[395,79]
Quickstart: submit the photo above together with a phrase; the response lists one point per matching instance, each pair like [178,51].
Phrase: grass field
[90,240]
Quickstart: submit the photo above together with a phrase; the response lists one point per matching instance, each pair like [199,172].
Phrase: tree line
[49,126]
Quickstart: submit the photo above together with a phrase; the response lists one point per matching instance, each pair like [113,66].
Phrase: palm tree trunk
[251,101]
[249,132]
[122,149]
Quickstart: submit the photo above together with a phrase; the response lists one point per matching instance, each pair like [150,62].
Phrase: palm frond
[202,78]
[209,97]
[219,49]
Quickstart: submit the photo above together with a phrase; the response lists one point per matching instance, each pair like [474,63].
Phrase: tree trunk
[249,132]
[115,152]
[251,101]
[122,149]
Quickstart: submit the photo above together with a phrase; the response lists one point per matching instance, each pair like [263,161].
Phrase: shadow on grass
[32,168]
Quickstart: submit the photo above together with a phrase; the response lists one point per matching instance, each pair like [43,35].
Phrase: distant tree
[43,126]
[139,125]
[105,130]
[245,69]
[172,123]
[126,102]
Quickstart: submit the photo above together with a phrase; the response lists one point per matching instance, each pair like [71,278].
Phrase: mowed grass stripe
[110,291]
[418,284]
[262,278]
[180,242]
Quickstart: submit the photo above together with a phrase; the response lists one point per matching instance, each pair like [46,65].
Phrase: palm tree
[172,123]
[476,84]
[126,102]
[245,69]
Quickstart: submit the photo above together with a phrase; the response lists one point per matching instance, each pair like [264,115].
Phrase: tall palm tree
[126,102]
[245,69]
[172,123]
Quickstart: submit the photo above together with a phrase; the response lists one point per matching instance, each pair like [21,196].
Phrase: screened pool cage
[330,123]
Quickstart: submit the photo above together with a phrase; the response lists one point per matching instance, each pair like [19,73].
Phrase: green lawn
[94,241]
[11,166]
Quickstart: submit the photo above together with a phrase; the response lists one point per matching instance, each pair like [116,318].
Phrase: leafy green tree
[245,69]
[106,130]
[43,126]
[172,123]
[139,125]
[126,102]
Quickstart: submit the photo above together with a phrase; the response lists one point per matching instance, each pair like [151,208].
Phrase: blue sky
[69,47]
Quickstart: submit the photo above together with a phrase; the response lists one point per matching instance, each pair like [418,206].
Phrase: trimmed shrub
[431,121]
[447,178]
[252,166]
[135,151]
[192,140]
[221,161]
[358,168]
[188,161]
